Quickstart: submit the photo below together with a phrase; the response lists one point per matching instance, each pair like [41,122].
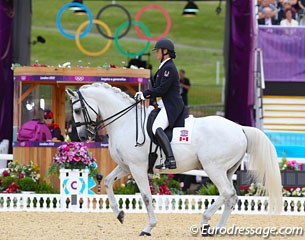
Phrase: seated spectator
[301,11]
[267,3]
[286,4]
[302,21]
[267,19]
[102,136]
[48,119]
[289,21]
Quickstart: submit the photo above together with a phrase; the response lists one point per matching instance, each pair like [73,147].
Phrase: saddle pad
[184,134]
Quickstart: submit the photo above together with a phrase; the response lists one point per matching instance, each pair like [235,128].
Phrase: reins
[101,124]
[143,114]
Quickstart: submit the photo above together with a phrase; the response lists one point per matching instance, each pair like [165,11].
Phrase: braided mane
[108,86]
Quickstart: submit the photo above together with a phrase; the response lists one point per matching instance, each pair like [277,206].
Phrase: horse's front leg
[140,176]
[116,174]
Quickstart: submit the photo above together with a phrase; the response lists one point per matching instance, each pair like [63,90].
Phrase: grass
[198,40]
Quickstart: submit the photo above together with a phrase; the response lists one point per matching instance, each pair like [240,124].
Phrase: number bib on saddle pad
[183,134]
[176,135]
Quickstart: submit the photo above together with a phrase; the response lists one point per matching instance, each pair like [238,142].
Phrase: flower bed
[159,185]
[23,177]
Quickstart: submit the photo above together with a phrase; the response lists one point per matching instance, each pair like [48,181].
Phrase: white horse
[218,146]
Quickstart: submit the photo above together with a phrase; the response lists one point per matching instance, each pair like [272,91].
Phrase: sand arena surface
[91,226]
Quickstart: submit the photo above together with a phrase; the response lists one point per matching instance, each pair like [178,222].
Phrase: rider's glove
[139,95]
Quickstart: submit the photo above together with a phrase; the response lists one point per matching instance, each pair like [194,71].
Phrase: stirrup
[160,166]
[167,164]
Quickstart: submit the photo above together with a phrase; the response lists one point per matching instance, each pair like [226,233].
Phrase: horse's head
[85,114]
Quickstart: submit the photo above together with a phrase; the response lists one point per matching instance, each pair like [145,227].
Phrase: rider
[166,90]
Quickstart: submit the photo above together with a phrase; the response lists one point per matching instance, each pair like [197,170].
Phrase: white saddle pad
[184,134]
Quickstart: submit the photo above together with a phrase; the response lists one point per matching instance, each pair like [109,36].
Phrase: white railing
[134,204]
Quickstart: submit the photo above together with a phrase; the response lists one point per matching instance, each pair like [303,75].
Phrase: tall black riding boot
[167,149]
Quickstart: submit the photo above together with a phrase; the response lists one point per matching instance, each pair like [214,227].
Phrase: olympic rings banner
[117,35]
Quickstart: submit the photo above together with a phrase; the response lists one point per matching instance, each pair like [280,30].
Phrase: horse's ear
[71,93]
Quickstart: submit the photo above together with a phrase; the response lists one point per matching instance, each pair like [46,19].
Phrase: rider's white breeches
[161,120]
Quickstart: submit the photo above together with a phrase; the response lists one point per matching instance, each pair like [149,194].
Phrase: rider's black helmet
[165,43]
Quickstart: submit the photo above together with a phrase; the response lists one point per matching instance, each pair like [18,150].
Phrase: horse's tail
[264,167]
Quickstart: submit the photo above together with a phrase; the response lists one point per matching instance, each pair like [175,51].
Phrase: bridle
[88,122]
[93,126]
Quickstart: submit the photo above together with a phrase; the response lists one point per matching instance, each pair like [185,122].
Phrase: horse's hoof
[144,234]
[121,216]
[205,230]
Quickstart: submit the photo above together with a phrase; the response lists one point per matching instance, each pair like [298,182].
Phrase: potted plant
[73,155]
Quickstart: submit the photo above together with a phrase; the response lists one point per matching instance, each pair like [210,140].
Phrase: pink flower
[5,173]
[77,159]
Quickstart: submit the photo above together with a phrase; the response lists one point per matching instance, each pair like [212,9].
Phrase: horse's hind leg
[231,202]
[116,174]
[140,176]
[226,191]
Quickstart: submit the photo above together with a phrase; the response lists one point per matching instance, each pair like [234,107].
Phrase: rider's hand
[139,95]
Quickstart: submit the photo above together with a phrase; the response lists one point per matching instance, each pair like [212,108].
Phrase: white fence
[134,204]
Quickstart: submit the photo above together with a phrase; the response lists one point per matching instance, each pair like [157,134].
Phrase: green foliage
[159,184]
[53,170]
[18,170]
[298,192]
[255,189]
[7,181]
[164,184]
[44,187]
[27,184]
[208,189]
[129,188]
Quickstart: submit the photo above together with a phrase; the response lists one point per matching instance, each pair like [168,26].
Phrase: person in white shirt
[289,21]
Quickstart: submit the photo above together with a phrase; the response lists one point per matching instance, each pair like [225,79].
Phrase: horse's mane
[108,86]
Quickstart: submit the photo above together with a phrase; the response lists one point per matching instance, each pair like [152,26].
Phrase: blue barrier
[289,144]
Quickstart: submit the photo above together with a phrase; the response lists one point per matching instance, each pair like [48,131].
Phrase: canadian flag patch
[166,73]
[184,136]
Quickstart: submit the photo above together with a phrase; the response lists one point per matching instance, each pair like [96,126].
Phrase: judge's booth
[39,88]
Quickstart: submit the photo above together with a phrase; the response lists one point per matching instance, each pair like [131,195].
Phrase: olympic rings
[168,20]
[128,16]
[117,42]
[80,47]
[60,12]
[108,31]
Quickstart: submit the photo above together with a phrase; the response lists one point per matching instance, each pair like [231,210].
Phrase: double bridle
[93,126]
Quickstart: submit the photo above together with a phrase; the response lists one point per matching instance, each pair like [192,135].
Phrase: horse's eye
[77,111]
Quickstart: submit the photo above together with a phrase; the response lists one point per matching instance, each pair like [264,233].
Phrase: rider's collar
[164,62]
